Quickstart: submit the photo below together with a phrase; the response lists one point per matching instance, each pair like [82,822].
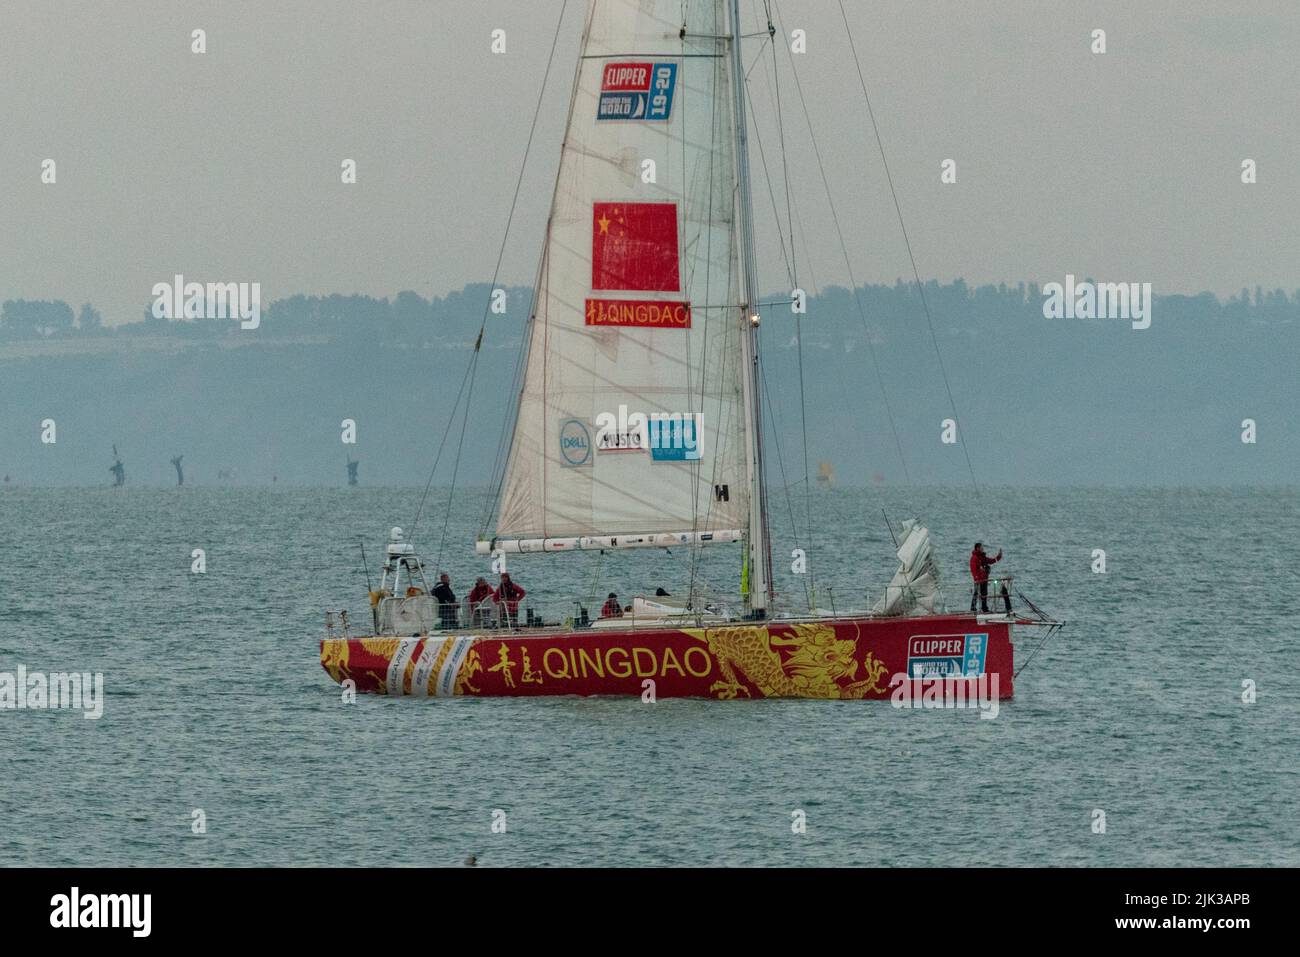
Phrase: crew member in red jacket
[611,608]
[479,597]
[980,563]
[508,595]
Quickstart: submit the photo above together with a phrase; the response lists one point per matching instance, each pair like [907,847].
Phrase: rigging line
[785,488]
[758,55]
[785,479]
[785,168]
[816,291]
[803,240]
[807,486]
[719,73]
[792,217]
[839,374]
[898,208]
[809,588]
[798,319]
[469,371]
[1051,631]
[595,578]
[497,474]
[721,428]
[844,251]
[455,468]
[507,428]
[767,177]
[648,54]
[751,293]
[729,360]
[686,179]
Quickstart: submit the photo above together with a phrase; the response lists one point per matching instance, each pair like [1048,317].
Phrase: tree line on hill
[411,318]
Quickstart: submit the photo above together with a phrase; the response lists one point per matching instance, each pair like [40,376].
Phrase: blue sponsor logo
[976,647]
[947,656]
[575,443]
[637,91]
[674,439]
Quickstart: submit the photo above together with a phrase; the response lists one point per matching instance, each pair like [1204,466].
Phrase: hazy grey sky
[225,166]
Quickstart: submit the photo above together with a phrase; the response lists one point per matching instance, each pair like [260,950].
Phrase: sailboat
[118,470]
[637,425]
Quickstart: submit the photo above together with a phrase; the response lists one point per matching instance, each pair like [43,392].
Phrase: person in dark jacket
[611,608]
[980,563]
[508,595]
[446,601]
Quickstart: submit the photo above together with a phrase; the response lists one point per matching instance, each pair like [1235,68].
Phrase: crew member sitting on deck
[479,597]
[446,601]
[611,608]
[980,563]
[508,595]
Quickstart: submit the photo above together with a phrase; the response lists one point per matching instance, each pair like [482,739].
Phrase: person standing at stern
[980,563]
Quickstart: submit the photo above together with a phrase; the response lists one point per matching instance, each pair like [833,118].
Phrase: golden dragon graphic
[816,664]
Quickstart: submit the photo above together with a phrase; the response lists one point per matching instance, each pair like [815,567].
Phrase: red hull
[849,658]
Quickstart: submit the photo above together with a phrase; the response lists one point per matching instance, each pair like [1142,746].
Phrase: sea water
[1159,728]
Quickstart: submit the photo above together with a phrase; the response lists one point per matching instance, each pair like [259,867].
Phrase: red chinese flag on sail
[634,247]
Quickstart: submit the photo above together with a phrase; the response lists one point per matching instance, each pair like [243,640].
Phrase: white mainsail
[636,335]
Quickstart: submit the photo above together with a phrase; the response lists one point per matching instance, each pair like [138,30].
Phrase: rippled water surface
[216,700]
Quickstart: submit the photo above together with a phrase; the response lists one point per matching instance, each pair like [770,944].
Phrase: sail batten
[602,542]
[630,415]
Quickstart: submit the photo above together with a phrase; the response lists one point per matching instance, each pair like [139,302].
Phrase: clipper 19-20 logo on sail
[637,91]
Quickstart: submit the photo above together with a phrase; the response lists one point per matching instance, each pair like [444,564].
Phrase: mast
[759,558]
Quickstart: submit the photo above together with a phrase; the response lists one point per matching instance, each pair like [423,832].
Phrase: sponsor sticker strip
[638,313]
[458,649]
[397,666]
[424,666]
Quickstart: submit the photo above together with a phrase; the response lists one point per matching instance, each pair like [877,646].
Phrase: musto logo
[636,91]
[946,656]
[575,443]
[670,436]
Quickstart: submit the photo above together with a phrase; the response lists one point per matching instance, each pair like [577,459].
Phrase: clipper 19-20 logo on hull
[946,656]
[637,91]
